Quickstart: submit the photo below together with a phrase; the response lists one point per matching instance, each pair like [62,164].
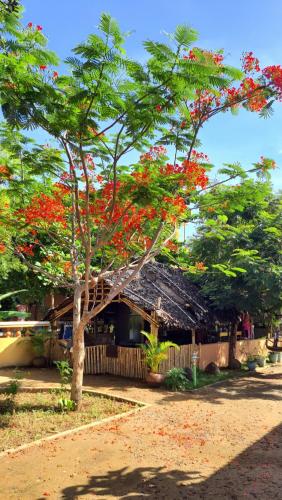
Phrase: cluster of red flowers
[200,266]
[4,172]
[38,27]
[204,103]
[274,74]
[65,177]
[26,249]
[153,154]
[67,268]
[174,207]
[194,174]
[173,247]
[2,248]
[266,163]
[197,155]
[191,173]
[62,189]
[55,74]
[141,177]
[191,56]
[250,63]
[250,91]
[255,95]
[232,94]
[89,162]
[216,57]
[123,219]
[45,209]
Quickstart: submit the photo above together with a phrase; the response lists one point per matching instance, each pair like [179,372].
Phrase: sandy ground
[221,442]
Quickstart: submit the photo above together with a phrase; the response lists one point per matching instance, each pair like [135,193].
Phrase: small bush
[176,380]
[38,343]
[65,404]
[13,388]
[65,372]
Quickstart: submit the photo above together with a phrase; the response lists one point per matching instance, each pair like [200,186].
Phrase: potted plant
[38,346]
[273,357]
[261,360]
[155,353]
[251,362]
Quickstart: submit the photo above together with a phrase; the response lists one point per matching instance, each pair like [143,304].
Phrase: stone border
[38,442]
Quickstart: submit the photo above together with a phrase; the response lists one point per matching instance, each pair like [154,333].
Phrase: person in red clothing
[246,325]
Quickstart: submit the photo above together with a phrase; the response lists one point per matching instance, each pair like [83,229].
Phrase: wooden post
[154,328]
[52,296]
[51,340]
[193,336]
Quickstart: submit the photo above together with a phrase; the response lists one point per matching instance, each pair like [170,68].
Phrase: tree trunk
[232,345]
[78,351]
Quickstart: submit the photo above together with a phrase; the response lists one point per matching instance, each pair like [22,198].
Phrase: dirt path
[222,442]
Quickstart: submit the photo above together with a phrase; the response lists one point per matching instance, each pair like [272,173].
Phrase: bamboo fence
[130,362]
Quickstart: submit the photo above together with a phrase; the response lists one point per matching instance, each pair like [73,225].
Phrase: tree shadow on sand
[255,473]
[257,386]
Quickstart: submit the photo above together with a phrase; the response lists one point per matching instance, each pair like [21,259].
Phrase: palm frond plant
[155,353]
[38,341]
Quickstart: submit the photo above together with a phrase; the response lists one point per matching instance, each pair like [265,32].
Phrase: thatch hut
[160,299]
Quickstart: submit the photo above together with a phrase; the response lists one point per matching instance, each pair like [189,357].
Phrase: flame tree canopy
[92,203]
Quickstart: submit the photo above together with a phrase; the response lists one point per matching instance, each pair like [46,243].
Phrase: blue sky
[235,26]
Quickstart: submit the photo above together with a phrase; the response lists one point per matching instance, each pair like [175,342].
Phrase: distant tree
[237,249]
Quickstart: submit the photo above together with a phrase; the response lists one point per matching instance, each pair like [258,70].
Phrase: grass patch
[177,378]
[34,415]
[204,379]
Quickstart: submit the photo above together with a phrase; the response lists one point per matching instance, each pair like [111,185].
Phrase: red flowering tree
[124,163]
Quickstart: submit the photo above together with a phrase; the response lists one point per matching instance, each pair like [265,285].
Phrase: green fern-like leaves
[185,36]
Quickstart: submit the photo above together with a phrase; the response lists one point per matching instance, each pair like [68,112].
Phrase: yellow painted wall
[15,351]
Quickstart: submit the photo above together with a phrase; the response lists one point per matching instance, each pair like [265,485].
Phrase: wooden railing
[130,361]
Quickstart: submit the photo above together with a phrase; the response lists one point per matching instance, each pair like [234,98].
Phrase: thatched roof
[165,290]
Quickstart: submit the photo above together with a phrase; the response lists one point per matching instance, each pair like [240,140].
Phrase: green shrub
[65,404]
[176,380]
[14,384]
[65,372]
[155,351]
[38,343]
[13,388]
